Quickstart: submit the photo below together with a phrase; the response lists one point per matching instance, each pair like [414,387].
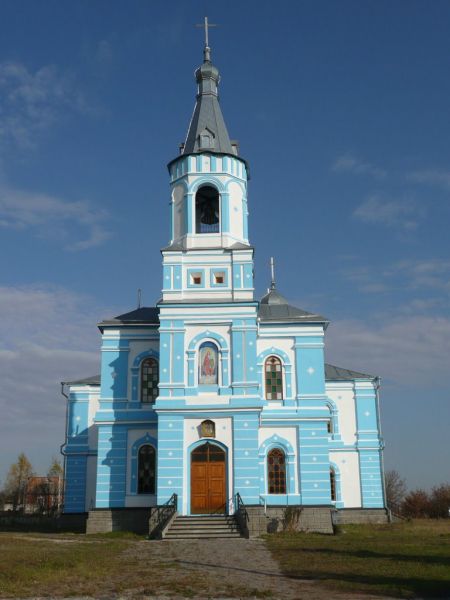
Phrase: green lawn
[99,566]
[32,565]
[404,559]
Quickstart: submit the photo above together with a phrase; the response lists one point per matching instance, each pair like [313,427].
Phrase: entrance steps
[185,528]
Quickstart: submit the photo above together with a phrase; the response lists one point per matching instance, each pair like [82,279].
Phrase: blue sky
[342,110]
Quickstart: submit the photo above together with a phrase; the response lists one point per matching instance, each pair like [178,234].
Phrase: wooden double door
[208,480]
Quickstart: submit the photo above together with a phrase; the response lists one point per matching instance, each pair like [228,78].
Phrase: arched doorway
[208,480]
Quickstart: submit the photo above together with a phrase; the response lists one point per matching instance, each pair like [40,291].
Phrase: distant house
[44,495]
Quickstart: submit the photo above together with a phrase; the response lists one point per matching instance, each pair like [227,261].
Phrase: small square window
[196,278]
[219,278]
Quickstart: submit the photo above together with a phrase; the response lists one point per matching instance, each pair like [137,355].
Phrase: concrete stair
[185,528]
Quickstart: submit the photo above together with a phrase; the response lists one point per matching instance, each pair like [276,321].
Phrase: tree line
[23,491]
[418,503]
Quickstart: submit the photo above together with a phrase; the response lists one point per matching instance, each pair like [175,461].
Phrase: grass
[34,565]
[100,566]
[404,559]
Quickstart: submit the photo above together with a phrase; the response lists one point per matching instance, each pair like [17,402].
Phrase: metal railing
[394,512]
[240,506]
[209,228]
[264,501]
[227,508]
[160,516]
[242,515]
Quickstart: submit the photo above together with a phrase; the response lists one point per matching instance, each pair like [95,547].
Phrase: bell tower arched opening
[207,210]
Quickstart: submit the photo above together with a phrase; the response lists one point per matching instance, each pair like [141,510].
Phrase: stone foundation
[118,519]
[285,518]
[315,519]
[348,516]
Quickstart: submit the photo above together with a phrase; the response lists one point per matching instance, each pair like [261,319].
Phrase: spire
[207,130]
[272,273]
[273,296]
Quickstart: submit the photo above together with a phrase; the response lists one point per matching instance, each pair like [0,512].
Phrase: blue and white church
[213,397]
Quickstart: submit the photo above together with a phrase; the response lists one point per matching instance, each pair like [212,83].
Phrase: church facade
[212,392]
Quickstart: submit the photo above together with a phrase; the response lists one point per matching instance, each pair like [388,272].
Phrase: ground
[406,560]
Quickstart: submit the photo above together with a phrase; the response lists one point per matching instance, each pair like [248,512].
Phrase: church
[213,399]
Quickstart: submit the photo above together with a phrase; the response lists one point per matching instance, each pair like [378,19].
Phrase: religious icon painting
[207,362]
[208,428]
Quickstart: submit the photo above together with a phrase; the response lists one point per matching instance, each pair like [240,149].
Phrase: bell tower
[209,256]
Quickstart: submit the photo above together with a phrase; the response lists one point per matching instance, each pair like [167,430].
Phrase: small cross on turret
[272,273]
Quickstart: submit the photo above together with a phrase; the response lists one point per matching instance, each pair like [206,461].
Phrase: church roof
[94,380]
[207,118]
[178,246]
[274,307]
[332,373]
[148,315]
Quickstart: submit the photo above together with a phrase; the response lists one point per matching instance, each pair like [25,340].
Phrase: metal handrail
[173,500]
[242,516]
[224,508]
[394,510]
[240,506]
[264,502]
[163,514]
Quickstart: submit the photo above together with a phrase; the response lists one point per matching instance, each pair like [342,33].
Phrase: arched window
[207,212]
[333,485]
[276,471]
[208,367]
[273,373]
[149,380]
[146,469]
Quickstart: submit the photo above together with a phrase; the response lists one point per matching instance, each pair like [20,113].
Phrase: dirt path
[231,569]
[184,569]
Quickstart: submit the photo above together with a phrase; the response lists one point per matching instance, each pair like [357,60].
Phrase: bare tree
[395,489]
[416,504]
[17,480]
[440,501]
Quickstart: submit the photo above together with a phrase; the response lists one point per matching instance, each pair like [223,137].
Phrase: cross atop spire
[206,25]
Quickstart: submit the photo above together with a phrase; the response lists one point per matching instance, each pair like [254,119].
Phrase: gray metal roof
[94,380]
[333,373]
[178,247]
[274,307]
[207,117]
[148,315]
